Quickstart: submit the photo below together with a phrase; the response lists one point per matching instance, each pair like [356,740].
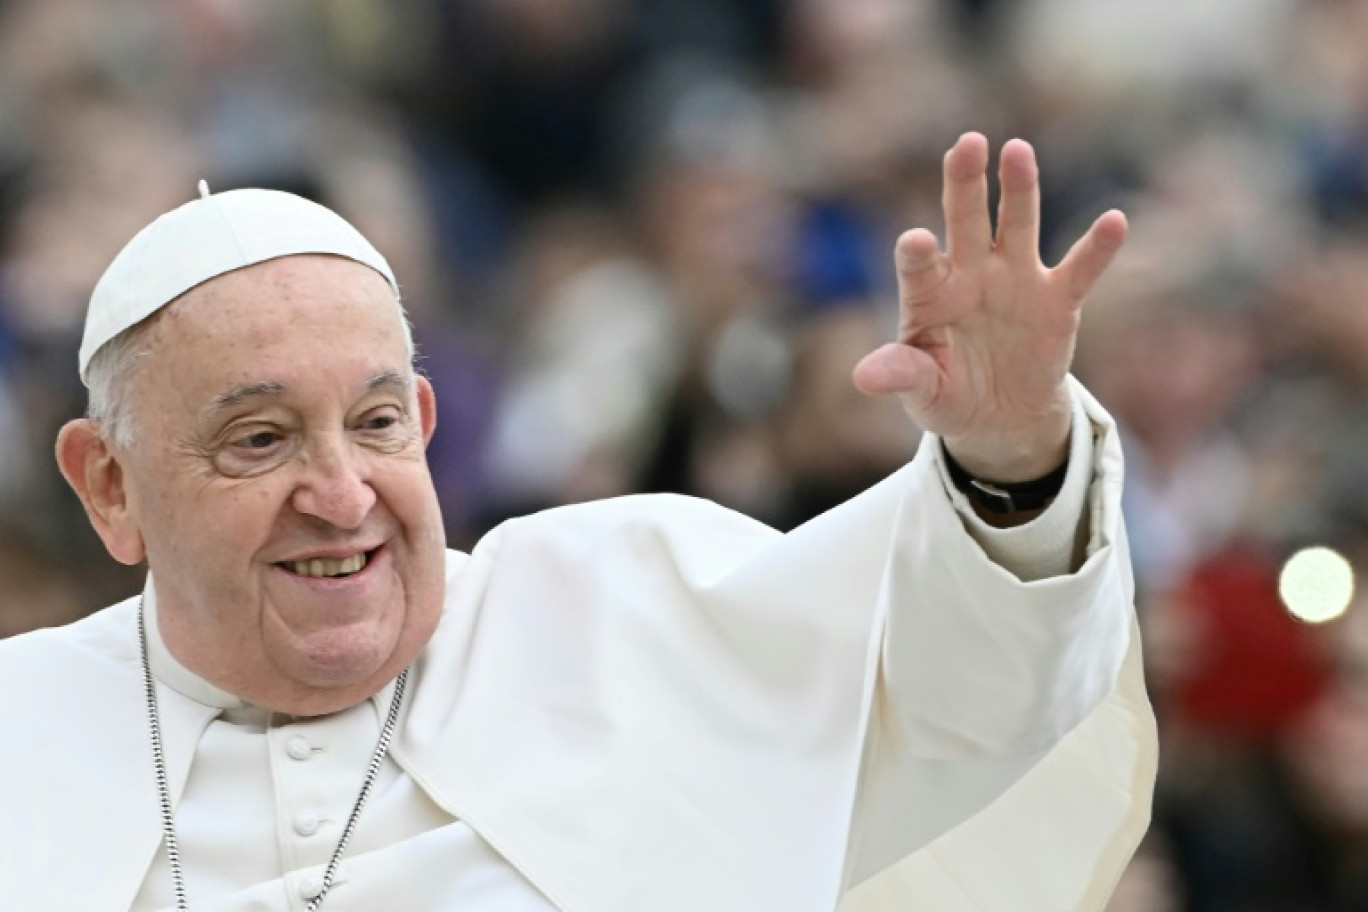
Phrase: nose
[334,486]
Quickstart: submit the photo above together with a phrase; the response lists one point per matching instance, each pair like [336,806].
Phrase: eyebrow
[240,394]
[390,379]
[387,380]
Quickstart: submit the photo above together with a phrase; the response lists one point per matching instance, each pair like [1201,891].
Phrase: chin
[340,659]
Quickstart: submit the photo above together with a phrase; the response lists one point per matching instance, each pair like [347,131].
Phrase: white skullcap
[205,238]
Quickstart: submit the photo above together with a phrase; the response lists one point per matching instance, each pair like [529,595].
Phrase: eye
[379,422]
[251,449]
[384,429]
[261,440]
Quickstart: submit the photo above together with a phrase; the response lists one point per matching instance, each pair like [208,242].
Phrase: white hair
[110,372]
[108,377]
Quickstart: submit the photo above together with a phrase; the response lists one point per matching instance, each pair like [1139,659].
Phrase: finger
[1090,255]
[968,232]
[901,369]
[921,266]
[1018,233]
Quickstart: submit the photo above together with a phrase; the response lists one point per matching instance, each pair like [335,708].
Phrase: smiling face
[279,486]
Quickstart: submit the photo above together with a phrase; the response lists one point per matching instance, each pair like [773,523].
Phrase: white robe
[654,704]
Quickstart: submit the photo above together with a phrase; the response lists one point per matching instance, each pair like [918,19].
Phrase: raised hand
[986,331]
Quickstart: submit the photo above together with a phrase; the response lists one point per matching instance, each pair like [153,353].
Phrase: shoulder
[103,644]
[643,539]
[666,514]
[689,530]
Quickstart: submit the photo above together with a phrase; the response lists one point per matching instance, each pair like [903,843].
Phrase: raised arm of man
[897,702]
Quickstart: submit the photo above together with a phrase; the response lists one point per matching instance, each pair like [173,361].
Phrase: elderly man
[929,698]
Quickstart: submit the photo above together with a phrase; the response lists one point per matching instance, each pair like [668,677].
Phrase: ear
[93,470]
[427,407]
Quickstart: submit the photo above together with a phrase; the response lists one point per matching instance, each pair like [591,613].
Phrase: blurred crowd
[643,242]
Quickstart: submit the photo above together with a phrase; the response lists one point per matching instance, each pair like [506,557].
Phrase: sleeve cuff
[1053,543]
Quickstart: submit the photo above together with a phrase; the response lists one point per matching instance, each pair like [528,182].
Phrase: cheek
[405,487]
[246,515]
[421,511]
[214,527]
[163,512]
[411,500]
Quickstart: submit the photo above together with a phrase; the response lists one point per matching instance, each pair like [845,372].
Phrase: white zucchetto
[205,238]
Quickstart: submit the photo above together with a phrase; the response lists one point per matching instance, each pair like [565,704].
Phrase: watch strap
[1007,497]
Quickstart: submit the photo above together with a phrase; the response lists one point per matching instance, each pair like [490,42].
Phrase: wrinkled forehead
[263,289]
[304,306]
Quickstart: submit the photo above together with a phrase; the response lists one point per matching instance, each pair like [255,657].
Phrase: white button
[298,748]
[306,823]
[311,886]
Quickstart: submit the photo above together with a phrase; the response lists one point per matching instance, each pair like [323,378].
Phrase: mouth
[329,568]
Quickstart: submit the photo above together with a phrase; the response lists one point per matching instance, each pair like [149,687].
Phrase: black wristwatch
[1007,497]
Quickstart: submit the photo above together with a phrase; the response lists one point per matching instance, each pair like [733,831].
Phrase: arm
[1008,673]
[874,704]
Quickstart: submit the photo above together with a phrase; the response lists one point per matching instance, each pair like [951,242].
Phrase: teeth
[319,567]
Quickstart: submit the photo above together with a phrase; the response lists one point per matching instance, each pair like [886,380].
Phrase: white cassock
[648,703]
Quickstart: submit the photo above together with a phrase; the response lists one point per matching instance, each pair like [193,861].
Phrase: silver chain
[164,791]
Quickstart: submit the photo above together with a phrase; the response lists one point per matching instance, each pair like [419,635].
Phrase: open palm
[986,331]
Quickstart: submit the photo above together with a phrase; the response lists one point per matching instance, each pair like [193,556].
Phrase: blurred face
[279,484]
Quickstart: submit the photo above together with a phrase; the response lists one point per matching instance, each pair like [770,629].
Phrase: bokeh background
[644,241]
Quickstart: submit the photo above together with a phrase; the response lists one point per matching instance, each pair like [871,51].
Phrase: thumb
[902,369]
